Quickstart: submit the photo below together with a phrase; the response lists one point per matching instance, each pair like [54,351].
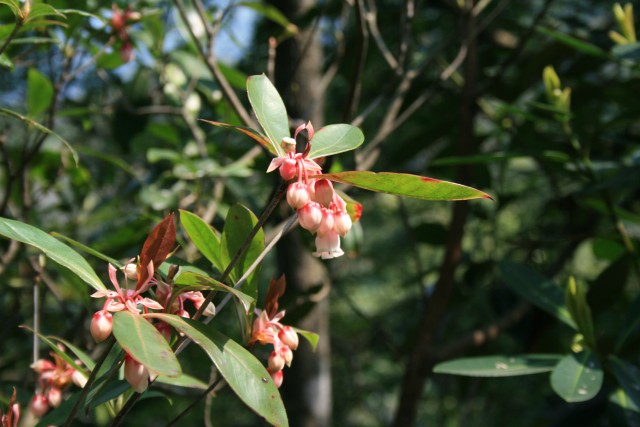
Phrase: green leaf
[246,376]
[87,249]
[84,357]
[577,377]
[237,227]
[627,51]
[204,282]
[5,62]
[39,92]
[254,134]
[312,337]
[42,9]
[52,248]
[14,5]
[334,139]
[270,110]
[575,298]
[624,412]
[537,289]
[144,343]
[41,128]
[83,13]
[183,380]
[271,13]
[628,376]
[203,236]
[402,184]
[499,366]
[57,350]
[631,324]
[577,44]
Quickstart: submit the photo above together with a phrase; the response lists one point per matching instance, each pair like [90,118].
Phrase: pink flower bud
[288,169]
[78,379]
[310,216]
[327,221]
[328,245]
[297,195]
[323,192]
[136,374]
[164,329]
[276,362]
[277,378]
[39,405]
[286,354]
[55,397]
[42,365]
[101,325]
[130,271]
[342,223]
[289,337]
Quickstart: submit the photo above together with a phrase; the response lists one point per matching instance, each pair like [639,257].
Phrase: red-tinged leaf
[276,290]
[354,208]
[252,133]
[402,184]
[157,247]
[142,341]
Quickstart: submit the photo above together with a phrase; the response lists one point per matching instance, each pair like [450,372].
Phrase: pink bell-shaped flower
[328,245]
[342,223]
[277,377]
[323,192]
[297,195]
[276,362]
[310,216]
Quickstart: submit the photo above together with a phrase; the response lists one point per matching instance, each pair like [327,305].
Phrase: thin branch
[371,17]
[361,45]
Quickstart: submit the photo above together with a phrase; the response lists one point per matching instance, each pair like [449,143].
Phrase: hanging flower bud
[130,271]
[323,192]
[39,405]
[327,221]
[136,374]
[289,337]
[101,325]
[78,379]
[54,395]
[328,245]
[276,362]
[42,365]
[342,223]
[288,170]
[277,377]
[310,216]
[297,195]
[286,354]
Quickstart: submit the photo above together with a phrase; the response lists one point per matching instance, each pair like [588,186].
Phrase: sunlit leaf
[237,227]
[402,184]
[499,366]
[52,248]
[312,337]
[269,109]
[246,376]
[203,236]
[145,344]
[42,9]
[87,249]
[254,134]
[577,377]
[14,5]
[334,139]
[537,289]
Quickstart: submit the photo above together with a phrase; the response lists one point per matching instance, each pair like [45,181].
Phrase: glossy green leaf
[575,298]
[41,128]
[574,43]
[52,248]
[14,5]
[577,377]
[402,184]
[334,139]
[254,134]
[87,249]
[237,227]
[183,380]
[628,376]
[270,110]
[312,337]
[499,366]
[246,376]
[105,392]
[204,282]
[39,92]
[144,343]
[537,289]
[42,9]
[203,236]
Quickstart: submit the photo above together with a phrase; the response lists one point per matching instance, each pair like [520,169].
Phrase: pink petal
[105,293]
[276,163]
[149,303]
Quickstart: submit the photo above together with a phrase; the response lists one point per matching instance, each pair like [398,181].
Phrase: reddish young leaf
[276,290]
[156,248]
[254,134]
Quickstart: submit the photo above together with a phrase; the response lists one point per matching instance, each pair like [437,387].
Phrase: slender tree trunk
[307,384]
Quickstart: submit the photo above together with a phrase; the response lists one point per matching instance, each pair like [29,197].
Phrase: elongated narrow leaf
[312,337]
[577,377]
[14,5]
[204,282]
[623,410]
[537,289]
[42,9]
[52,248]
[499,366]
[237,227]
[77,352]
[269,109]
[577,44]
[271,13]
[254,134]
[402,184]
[39,92]
[52,345]
[183,380]
[144,343]
[87,249]
[334,139]
[42,128]
[575,298]
[246,376]
[628,376]
[203,236]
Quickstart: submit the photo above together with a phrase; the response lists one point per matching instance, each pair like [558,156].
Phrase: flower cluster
[53,378]
[267,329]
[320,209]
